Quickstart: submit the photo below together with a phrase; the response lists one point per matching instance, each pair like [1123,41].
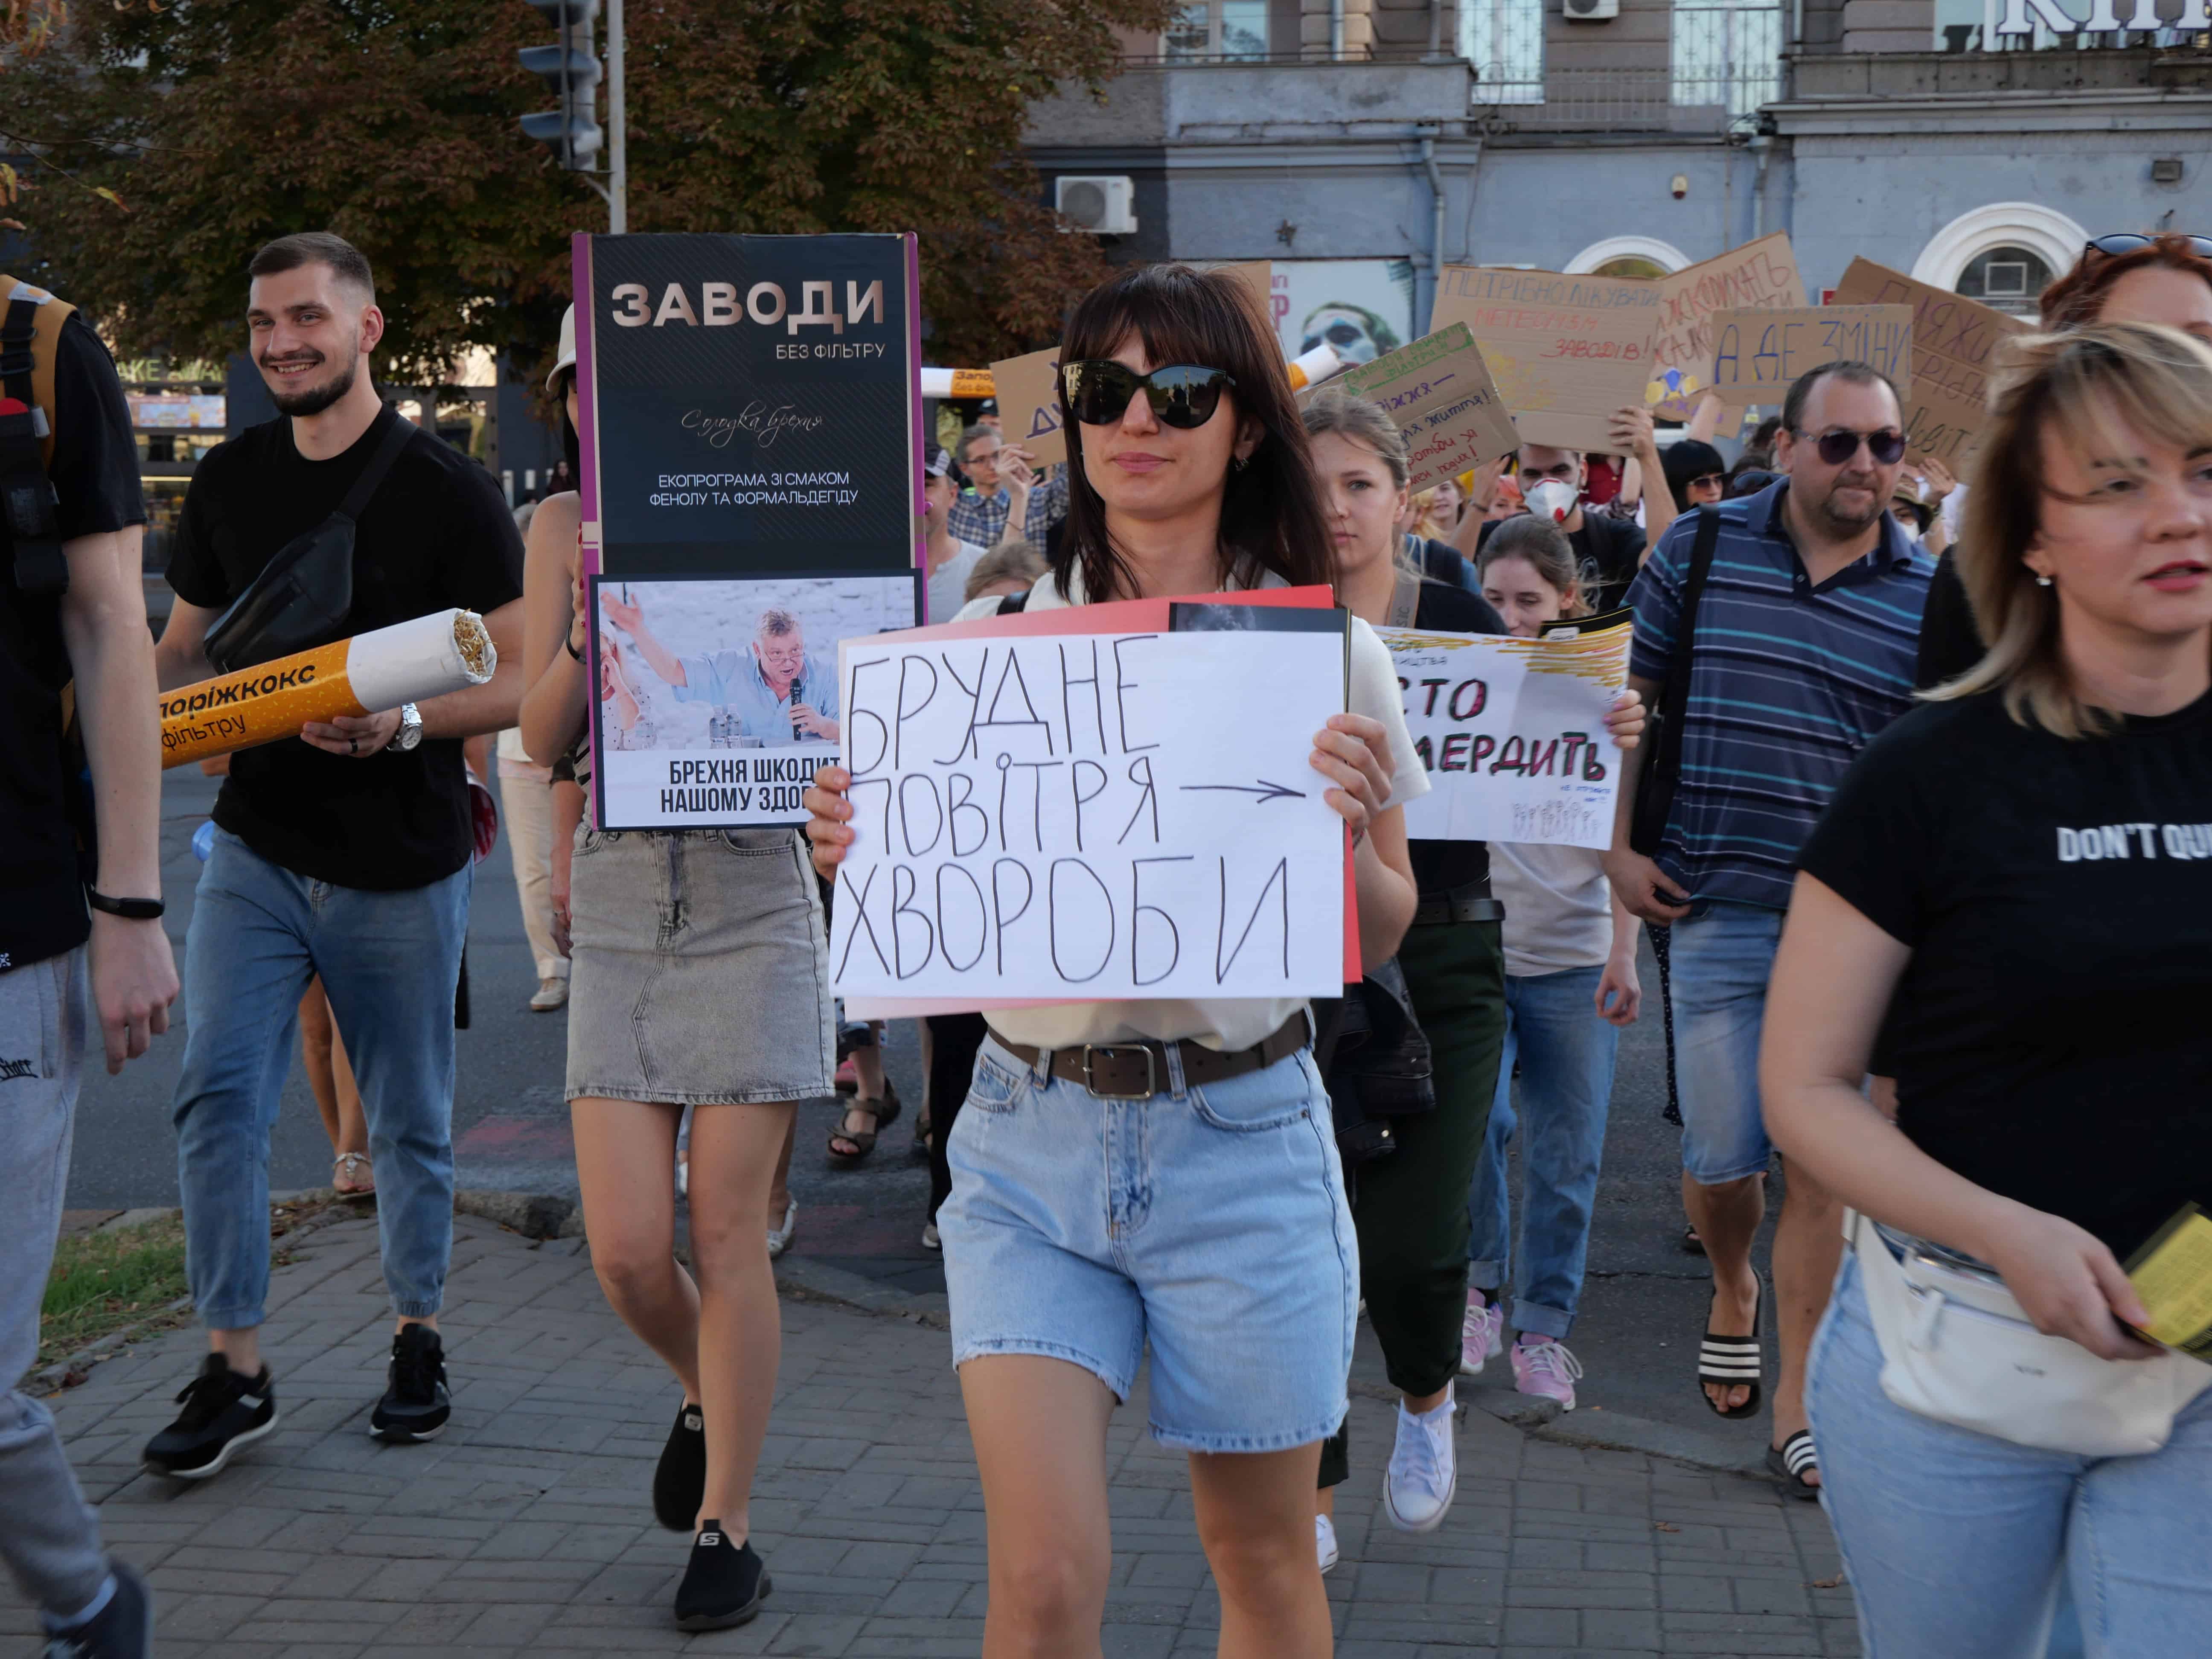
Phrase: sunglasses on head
[1182,395]
[1886,445]
[2128,241]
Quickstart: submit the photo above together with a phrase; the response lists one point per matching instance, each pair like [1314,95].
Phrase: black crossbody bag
[1655,789]
[304,594]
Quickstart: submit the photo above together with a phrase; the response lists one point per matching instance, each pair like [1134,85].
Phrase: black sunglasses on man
[1886,446]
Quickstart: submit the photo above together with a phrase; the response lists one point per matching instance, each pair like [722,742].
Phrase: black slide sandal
[1732,1361]
[1788,1462]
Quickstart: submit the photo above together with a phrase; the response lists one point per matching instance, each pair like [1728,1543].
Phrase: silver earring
[1237,463]
[2043,581]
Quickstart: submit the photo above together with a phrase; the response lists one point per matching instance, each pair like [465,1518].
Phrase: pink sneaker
[1481,1334]
[1543,1365]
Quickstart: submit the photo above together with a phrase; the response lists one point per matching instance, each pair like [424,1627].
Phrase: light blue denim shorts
[1721,959]
[1210,1222]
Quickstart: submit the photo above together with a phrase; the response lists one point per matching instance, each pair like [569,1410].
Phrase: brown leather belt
[1138,1070]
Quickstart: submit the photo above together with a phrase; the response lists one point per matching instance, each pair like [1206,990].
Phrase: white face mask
[1552,500]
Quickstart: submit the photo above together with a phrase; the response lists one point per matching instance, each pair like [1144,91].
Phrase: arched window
[1628,256]
[2009,278]
[1631,265]
[2003,254]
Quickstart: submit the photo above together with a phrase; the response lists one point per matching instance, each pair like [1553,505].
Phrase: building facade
[1974,143]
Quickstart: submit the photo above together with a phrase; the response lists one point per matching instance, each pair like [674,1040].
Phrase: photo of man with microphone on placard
[777,691]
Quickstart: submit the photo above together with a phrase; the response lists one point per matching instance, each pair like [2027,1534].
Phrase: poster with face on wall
[748,412]
[1363,307]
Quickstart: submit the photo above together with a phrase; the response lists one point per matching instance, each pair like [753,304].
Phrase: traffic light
[571,131]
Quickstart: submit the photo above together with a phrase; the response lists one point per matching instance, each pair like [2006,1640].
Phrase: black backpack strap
[27,494]
[397,437]
[1674,697]
[1014,603]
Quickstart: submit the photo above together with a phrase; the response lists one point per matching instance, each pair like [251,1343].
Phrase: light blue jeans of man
[47,1535]
[1566,1055]
[1957,1543]
[1720,957]
[389,962]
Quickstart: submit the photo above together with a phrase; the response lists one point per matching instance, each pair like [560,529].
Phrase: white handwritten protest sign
[1090,818]
[1759,354]
[1513,734]
[1566,351]
[1439,393]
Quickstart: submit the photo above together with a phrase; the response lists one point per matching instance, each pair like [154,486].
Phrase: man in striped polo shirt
[1803,647]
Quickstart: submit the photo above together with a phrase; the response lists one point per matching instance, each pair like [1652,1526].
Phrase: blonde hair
[1335,410]
[1010,561]
[2088,388]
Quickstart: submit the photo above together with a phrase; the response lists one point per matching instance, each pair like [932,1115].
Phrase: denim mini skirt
[700,972]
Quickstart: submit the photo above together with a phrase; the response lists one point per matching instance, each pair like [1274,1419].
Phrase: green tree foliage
[176,136]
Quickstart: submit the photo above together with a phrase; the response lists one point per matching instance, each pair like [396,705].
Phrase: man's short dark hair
[316,247]
[1846,369]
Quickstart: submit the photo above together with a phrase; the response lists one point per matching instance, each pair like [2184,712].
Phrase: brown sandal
[884,1111]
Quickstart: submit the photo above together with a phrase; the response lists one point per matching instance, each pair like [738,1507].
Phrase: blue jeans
[1566,1055]
[390,962]
[1957,1543]
[1721,956]
[1208,1224]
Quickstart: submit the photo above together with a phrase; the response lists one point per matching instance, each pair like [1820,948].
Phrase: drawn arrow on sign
[1264,790]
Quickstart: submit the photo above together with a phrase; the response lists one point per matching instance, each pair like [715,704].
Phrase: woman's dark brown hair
[2074,300]
[1271,509]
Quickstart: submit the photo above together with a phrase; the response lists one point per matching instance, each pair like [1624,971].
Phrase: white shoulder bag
[1957,1347]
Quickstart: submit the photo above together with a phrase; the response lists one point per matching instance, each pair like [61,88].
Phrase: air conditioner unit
[1102,203]
[1591,11]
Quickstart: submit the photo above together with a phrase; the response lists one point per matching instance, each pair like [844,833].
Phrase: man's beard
[314,400]
[1851,521]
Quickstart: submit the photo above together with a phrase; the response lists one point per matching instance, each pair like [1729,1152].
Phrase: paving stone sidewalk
[527,1529]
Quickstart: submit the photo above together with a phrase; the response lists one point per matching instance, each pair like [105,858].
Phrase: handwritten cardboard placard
[1028,404]
[1090,816]
[1760,276]
[1758,355]
[1257,278]
[1513,734]
[1565,352]
[1954,344]
[1439,392]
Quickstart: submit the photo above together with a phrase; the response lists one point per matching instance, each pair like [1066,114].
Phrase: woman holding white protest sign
[1412,1207]
[1230,1248]
[671,931]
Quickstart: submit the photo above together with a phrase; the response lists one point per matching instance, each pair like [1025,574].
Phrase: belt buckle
[1152,1070]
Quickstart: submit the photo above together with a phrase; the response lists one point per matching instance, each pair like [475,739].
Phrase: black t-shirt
[2052,1033]
[1950,644]
[436,534]
[1608,553]
[94,470]
[1441,865]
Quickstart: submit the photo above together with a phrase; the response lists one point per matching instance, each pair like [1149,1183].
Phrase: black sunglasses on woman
[2129,241]
[1182,395]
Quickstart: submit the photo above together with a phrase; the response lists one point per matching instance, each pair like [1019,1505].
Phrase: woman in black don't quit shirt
[2027,864]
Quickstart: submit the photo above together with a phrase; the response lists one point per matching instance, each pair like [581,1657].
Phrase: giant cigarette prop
[366,674]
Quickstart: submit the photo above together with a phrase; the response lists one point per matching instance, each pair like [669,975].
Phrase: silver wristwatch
[410,733]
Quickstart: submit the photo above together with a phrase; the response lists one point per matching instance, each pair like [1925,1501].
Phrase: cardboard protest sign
[1257,277]
[1028,404]
[1565,351]
[1439,392]
[1954,343]
[1760,276]
[1758,355]
[1513,734]
[748,412]
[1091,817]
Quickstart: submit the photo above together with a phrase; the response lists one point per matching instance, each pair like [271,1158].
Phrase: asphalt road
[1643,1305]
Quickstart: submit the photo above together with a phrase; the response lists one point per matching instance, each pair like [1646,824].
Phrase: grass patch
[104,1281]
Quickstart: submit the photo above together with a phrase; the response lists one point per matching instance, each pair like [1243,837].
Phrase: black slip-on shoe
[680,1480]
[724,1584]
[415,1404]
[222,1412]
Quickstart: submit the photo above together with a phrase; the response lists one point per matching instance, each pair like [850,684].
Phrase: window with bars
[1727,52]
[1213,30]
[1504,41]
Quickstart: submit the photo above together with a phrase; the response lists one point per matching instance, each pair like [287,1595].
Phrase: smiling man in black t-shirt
[345,853]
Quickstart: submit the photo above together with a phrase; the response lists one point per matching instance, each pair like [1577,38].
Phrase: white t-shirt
[1558,907]
[948,583]
[1227,1023]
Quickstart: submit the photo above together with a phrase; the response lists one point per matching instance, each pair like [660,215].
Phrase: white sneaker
[1481,1333]
[779,1238]
[930,1240]
[551,993]
[1325,1541]
[1417,1493]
